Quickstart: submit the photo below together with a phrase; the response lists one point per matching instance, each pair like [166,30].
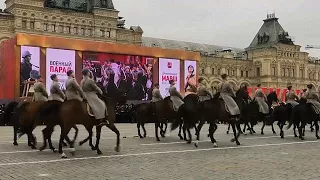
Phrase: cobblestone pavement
[259,157]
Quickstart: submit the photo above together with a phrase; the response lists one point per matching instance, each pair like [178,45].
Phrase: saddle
[89,110]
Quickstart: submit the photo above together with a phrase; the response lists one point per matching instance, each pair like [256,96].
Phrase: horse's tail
[176,123]
[19,112]
[292,117]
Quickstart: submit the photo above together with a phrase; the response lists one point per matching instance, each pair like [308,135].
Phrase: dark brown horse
[214,109]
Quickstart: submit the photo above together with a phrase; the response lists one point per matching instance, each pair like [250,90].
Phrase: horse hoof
[93,148]
[42,148]
[282,137]
[63,155]
[227,132]
[99,152]
[215,145]
[181,138]
[188,142]
[262,133]
[145,135]
[15,143]
[238,143]
[245,134]
[80,143]
[295,135]
[117,148]
[196,143]
[232,140]
[318,137]
[158,139]
[33,147]
[253,131]
[163,136]
[141,137]
[274,133]
[54,150]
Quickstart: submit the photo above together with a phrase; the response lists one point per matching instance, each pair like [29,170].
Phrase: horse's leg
[98,135]
[139,133]
[264,124]
[114,129]
[15,134]
[317,128]
[300,128]
[202,121]
[64,132]
[234,129]
[156,126]
[212,129]
[189,134]
[45,137]
[228,129]
[311,127]
[76,134]
[184,132]
[33,141]
[294,130]
[273,131]
[144,130]
[281,130]
[165,129]
[49,134]
[179,134]
[244,128]
[88,138]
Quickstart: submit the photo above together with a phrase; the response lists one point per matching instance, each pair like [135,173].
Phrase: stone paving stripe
[152,153]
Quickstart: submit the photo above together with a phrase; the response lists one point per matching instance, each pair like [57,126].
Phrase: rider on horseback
[56,92]
[91,90]
[261,99]
[228,96]
[40,92]
[73,90]
[175,96]
[291,96]
[313,98]
[156,95]
[202,91]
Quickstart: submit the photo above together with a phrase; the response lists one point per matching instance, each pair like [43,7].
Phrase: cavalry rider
[56,92]
[261,99]
[91,90]
[228,96]
[73,90]
[312,98]
[40,92]
[303,93]
[203,93]
[156,95]
[291,96]
[175,96]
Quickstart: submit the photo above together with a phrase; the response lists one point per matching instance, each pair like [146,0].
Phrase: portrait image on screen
[127,74]
[59,62]
[30,60]
[190,76]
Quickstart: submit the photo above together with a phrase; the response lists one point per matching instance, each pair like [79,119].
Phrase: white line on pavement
[267,137]
[152,153]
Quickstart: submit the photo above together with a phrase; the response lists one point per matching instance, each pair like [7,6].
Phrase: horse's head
[272,97]
[8,112]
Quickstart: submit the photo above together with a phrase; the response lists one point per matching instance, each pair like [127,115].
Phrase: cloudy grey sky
[222,22]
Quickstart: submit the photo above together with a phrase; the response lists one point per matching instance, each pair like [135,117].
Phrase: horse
[10,117]
[144,112]
[188,114]
[215,109]
[266,118]
[301,115]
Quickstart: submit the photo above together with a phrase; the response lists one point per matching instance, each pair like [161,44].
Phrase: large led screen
[129,74]
[59,62]
[169,69]
[30,60]
[190,75]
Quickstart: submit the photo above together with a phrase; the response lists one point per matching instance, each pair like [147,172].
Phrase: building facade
[272,59]
[95,20]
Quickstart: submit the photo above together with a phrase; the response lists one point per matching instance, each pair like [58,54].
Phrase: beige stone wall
[271,67]
[101,25]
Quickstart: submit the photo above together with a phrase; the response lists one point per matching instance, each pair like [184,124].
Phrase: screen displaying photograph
[169,69]
[190,76]
[132,75]
[30,60]
[59,62]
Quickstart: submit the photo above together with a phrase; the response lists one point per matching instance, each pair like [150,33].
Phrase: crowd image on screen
[131,75]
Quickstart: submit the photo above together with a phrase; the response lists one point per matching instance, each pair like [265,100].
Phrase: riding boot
[102,122]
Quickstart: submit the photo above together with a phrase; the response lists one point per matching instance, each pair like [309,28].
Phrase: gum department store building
[271,59]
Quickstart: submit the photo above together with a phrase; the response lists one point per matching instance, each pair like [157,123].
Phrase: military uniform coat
[91,90]
[56,92]
[312,97]
[73,90]
[175,97]
[291,98]
[203,93]
[260,97]
[40,92]
[156,95]
[227,94]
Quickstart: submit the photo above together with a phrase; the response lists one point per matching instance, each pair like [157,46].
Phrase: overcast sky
[222,22]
